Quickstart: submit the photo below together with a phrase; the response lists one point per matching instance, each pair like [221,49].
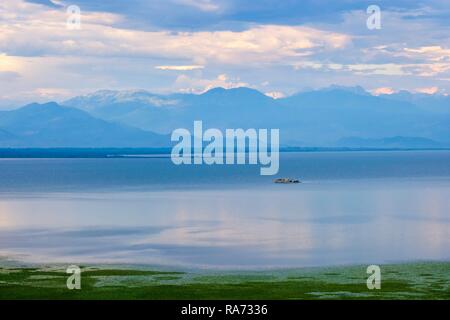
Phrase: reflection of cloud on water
[5,216]
[232,228]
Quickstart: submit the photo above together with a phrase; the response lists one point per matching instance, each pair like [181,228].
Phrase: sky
[165,46]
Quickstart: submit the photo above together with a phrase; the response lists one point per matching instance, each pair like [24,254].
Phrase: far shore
[117,152]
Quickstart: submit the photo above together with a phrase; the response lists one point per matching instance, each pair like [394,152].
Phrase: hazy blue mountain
[8,139]
[345,97]
[437,103]
[390,142]
[5,134]
[232,108]
[51,125]
[140,109]
[311,118]
[326,117]
[218,107]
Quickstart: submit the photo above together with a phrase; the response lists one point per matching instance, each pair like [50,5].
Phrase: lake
[351,207]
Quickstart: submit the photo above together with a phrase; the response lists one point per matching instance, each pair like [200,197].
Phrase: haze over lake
[352,207]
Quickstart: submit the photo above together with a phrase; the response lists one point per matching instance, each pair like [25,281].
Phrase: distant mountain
[355,90]
[390,142]
[323,118]
[311,118]
[8,138]
[227,108]
[51,125]
[345,97]
[436,103]
[137,108]
[327,115]
[217,107]
[5,134]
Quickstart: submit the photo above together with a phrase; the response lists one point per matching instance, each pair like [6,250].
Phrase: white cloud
[383,90]
[390,69]
[433,53]
[179,68]
[378,69]
[275,94]
[188,84]
[428,90]
[28,29]
[10,64]
[425,69]
[108,53]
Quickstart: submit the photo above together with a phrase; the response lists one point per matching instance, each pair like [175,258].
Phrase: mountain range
[331,117]
[52,125]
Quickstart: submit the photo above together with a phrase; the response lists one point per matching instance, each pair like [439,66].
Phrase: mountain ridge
[52,125]
[324,117]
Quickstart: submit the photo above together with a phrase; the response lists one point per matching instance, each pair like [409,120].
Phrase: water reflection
[304,225]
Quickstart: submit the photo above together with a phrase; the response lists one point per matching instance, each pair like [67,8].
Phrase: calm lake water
[352,207]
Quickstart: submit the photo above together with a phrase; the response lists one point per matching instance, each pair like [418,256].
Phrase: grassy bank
[428,280]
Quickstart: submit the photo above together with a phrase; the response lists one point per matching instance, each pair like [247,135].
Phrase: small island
[286,180]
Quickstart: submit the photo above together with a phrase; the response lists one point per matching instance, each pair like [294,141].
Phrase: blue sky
[277,47]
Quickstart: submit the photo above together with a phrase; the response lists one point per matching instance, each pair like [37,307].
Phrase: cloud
[214,14]
[275,94]
[188,84]
[203,5]
[429,49]
[387,69]
[376,69]
[39,32]
[437,59]
[383,90]
[428,90]
[271,45]
[8,76]
[51,93]
[10,64]
[179,68]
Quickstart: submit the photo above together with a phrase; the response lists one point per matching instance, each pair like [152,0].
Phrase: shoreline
[164,152]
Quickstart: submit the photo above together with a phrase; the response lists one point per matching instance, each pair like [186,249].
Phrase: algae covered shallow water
[426,280]
[352,208]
